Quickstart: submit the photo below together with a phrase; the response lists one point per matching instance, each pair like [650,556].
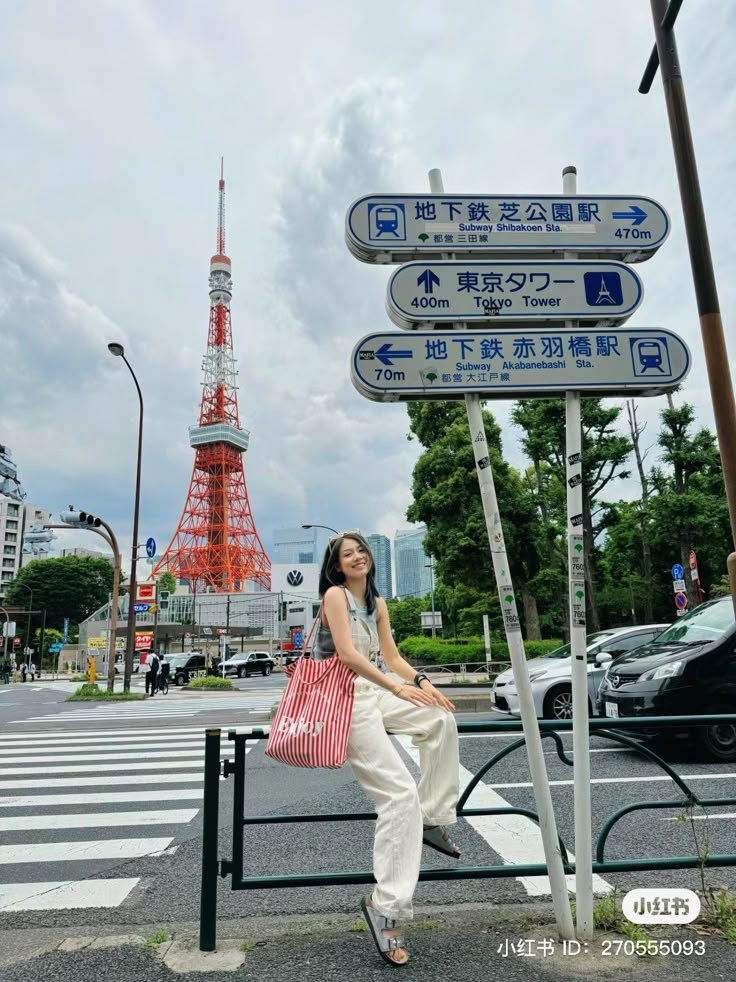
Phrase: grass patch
[157,938]
[91,693]
[358,925]
[248,946]
[718,910]
[210,682]
[428,923]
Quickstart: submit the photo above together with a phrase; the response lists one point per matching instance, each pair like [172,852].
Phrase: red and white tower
[216,545]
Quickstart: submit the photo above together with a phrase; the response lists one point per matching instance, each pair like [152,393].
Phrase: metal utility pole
[701,262]
[430,566]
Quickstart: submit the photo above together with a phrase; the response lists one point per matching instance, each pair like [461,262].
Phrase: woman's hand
[410,693]
[438,699]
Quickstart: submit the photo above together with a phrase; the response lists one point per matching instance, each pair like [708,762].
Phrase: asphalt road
[103,804]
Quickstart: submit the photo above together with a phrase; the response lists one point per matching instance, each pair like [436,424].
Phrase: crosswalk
[58,820]
[159,708]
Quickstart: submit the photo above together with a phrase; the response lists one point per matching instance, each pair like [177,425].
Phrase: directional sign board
[150,547]
[596,293]
[392,228]
[528,361]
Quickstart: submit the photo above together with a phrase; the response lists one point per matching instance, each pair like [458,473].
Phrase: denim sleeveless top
[363,629]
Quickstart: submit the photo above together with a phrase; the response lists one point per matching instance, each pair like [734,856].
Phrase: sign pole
[578,644]
[537,766]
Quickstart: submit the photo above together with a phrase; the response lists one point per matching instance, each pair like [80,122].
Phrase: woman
[355,624]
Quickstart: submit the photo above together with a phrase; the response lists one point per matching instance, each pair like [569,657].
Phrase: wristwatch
[419,678]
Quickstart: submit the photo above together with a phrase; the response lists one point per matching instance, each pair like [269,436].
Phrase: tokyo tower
[216,546]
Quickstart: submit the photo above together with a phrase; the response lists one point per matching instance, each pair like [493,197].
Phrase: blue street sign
[56,647]
[150,547]
[599,293]
[66,629]
[141,608]
[514,363]
[392,228]
[677,572]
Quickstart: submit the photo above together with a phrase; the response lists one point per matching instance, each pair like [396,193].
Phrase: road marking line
[71,895]
[66,852]
[100,780]
[515,838]
[187,743]
[112,731]
[700,818]
[98,820]
[627,780]
[36,759]
[143,765]
[98,798]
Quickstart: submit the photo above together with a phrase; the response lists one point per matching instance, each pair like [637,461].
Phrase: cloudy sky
[114,115]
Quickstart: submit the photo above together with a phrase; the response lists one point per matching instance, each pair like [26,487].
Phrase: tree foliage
[167,581]
[70,586]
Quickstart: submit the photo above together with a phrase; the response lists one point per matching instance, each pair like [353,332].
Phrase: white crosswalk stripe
[43,800]
[182,707]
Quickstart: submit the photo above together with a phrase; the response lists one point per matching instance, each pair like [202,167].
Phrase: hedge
[434,651]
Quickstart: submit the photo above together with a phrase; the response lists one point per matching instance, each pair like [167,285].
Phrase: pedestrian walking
[6,669]
[154,663]
[23,671]
[163,672]
[355,624]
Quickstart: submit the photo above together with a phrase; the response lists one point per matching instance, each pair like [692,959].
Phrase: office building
[298,545]
[413,577]
[381,549]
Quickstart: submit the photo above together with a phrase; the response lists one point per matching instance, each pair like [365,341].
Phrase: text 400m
[429,302]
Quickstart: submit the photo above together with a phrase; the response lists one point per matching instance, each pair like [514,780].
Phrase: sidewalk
[466,943]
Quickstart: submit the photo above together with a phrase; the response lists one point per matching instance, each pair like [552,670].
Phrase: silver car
[551,675]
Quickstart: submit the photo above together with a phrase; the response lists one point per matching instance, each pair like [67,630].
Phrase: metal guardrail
[233,867]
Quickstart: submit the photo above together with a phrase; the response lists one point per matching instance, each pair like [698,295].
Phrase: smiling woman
[355,628]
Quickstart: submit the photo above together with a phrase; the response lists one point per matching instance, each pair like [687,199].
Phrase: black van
[688,670]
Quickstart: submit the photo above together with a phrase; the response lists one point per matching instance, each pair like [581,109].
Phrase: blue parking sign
[677,572]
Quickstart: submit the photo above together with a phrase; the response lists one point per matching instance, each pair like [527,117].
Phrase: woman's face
[353,558]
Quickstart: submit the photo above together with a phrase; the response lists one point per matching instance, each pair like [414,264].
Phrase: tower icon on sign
[603,289]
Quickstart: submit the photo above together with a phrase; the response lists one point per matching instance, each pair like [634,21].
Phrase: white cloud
[115,119]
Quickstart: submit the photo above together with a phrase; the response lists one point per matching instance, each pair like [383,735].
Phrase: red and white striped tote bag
[313,720]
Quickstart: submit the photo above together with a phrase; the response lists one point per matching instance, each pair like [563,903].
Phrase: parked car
[247,663]
[688,670]
[187,665]
[551,675]
[120,665]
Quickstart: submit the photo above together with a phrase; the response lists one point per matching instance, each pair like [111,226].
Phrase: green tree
[406,616]
[446,498]
[71,586]
[167,581]
[605,452]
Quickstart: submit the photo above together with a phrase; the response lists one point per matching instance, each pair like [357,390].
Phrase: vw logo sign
[294,577]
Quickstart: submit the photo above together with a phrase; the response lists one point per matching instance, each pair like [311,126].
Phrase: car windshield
[709,622]
[241,656]
[177,660]
[564,651]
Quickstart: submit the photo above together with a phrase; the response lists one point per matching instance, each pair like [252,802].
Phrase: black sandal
[437,837]
[378,924]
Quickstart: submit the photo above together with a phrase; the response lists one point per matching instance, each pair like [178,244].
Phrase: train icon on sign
[650,357]
[387,223]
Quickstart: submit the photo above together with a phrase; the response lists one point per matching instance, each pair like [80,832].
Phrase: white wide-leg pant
[402,807]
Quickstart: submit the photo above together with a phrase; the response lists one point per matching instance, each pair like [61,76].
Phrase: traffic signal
[80,519]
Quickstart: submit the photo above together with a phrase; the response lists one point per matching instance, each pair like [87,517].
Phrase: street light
[82,519]
[6,634]
[24,586]
[321,527]
[119,352]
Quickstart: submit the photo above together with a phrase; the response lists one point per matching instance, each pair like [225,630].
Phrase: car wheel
[268,669]
[558,703]
[719,740]
[179,680]
[241,672]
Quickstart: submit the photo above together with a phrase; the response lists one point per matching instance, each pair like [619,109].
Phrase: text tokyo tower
[216,546]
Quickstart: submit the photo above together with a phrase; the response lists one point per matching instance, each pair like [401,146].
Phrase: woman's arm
[395,663]
[337,617]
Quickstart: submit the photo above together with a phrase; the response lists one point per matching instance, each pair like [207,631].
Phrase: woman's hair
[329,575]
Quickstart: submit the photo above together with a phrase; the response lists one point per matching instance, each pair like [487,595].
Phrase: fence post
[211,821]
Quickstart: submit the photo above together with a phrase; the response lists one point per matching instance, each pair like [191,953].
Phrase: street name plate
[390,367]
[596,293]
[392,228]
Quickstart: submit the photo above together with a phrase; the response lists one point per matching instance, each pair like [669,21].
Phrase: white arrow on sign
[595,293]
[514,364]
[391,228]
